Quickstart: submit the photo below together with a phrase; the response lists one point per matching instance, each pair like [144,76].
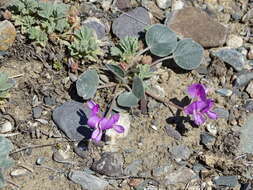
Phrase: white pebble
[163,4]
[19,172]
[234,41]
[6,127]
[211,128]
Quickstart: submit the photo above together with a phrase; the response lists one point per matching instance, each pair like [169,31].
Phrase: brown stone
[193,23]
[7,35]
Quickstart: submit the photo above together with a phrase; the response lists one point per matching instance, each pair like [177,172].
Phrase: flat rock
[182,175]
[71,118]
[132,25]
[228,181]
[193,23]
[246,136]
[232,57]
[7,35]
[88,181]
[180,152]
[133,168]
[110,164]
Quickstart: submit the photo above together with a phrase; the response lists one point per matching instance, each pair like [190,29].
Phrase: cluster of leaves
[39,19]
[5,162]
[126,49]
[161,42]
[85,45]
[5,85]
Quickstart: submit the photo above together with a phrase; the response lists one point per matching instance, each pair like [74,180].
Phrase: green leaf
[144,71]
[45,9]
[127,99]
[5,146]
[188,54]
[161,40]
[2,183]
[39,36]
[116,70]
[138,88]
[60,10]
[115,51]
[5,83]
[61,25]
[87,84]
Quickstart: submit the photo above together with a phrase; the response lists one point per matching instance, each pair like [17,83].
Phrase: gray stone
[228,181]
[234,41]
[71,118]
[122,4]
[198,167]
[193,23]
[246,136]
[49,100]
[37,112]
[249,89]
[88,181]
[180,152]
[110,164]
[232,57]
[248,105]
[97,25]
[133,168]
[132,23]
[207,140]
[172,132]
[182,175]
[163,4]
[224,92]
[161,171]
[243,79]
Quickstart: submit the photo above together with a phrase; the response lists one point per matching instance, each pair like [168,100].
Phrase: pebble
[40,160]
[88,181]
[19,172]
[129,26]
[221,112]
[73,77]
[231,57]
[207,140]
[49,100]
[133,168]
[180,152]
[212,129]
[224,92]
[243,79]
[181,175]
[250,53]
[163,4]
[37,111]
[60,156]
[110,164]
[198,167]
[72,114]
[193,23]
[227,181]
[248,105]
[6,127]
[7,35]
[122,4]
[161,171]
[98,26]
[177,5]
[81,148]
[249,89]
[234,41]
[246,136]
[172,132]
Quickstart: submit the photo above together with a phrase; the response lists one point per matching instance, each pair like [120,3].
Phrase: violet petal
[197,91]
[97,135]
[199,118]
[93,121]
[211,115]
[118,128]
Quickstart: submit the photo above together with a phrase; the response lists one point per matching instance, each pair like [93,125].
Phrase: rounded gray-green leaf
[127,99]
[5,147]
[138,88]
[161,40]
[87,84]
[116,70]
[188,54]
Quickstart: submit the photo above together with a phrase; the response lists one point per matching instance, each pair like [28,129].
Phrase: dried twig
[9,134]
[32,146]
[12,183]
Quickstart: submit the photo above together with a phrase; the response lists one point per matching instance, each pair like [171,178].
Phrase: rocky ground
[162,148]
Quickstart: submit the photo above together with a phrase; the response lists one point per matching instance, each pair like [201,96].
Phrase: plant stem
[160,60]
[143,51]
[167,103]
[107,85]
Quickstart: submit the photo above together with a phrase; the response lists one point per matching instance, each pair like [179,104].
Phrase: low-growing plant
[126,50]
[5,85]
[85,45]
[39,19]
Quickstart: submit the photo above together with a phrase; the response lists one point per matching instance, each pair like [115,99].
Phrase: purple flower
[201,108]
[197,91]
[101,123]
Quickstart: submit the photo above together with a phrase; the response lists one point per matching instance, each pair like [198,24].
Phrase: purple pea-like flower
[200,109]
[101,123]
